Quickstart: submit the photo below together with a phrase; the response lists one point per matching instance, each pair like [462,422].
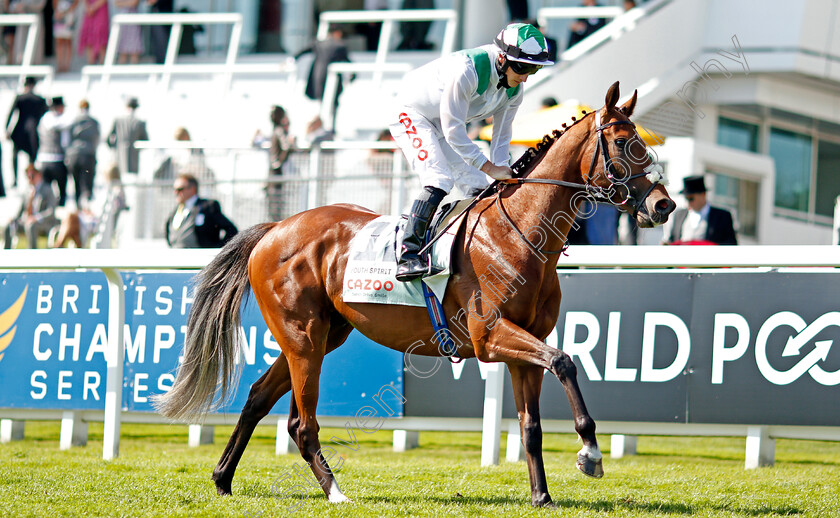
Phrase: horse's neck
[546,210]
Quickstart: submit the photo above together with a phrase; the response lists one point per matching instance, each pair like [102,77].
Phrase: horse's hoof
[223,491]
[542,501]
[589,466]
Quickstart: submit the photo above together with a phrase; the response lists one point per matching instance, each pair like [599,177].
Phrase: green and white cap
[523,42]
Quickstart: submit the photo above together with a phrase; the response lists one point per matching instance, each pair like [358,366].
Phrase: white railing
[380,66]
[169,67]
[621,22]
[111,262]
[26,68]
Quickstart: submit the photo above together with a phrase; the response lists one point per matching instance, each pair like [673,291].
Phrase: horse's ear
[628,107]
[612,97]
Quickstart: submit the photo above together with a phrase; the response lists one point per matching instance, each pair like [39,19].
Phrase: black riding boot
[410,265]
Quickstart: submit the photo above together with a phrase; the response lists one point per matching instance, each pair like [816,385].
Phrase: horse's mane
[532,156]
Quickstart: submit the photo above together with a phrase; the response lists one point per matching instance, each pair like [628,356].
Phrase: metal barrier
[26,68]
[371,174]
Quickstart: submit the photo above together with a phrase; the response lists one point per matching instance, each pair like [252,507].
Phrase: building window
[828,178]
[737,134]
[792,153]
[741,198]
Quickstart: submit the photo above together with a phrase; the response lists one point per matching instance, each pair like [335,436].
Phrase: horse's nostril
[664,206]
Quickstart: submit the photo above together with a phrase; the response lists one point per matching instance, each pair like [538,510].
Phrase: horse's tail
[213,336]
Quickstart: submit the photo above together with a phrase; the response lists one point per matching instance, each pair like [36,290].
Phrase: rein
[595,190]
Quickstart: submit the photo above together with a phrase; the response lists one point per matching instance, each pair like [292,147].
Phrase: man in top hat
[700,222]
[127,130]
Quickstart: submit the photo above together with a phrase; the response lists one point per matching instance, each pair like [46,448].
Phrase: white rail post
[761,448]
[74,431]
[515,452]
[491,433]
[405,440]
[621,445]
[835,236]
[11,430]
[284,445]
[114,375]
[200,434]
[233,52]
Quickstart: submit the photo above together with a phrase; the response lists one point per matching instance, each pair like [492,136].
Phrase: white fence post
[74,431]
[405,440]
[116,353]
[285,445]
[491,434]
[11,430]
[761,448]
[200,434]
[515,452]
[621,445]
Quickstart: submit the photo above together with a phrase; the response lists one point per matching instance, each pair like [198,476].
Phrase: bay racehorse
[504,265]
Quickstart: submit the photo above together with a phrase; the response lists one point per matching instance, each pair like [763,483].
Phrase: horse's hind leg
[527,384]
[263,395]
[306,371]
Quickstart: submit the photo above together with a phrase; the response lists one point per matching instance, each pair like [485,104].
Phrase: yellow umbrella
[530,128]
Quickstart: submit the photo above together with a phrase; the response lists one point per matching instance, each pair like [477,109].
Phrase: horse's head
[621,166]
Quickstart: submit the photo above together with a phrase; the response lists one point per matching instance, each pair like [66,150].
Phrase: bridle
[596,191]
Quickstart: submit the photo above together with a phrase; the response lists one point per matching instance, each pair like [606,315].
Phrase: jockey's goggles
[523,68]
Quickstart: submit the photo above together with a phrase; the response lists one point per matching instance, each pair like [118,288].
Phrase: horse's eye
[621,142]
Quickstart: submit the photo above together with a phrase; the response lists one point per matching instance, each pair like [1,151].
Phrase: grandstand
[751,105]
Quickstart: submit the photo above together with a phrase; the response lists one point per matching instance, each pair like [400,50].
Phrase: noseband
[596,191]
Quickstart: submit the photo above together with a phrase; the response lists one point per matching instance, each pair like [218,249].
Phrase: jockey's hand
[497,172]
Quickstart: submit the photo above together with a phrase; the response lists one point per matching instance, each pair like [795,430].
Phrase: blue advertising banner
[53,346]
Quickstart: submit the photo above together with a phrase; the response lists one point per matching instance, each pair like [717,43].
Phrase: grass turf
[156,474]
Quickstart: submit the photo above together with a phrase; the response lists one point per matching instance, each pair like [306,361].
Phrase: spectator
[81,152]
[414,33]
[583,27]
[127,130]
[93,37]
[85,223]
[316,133]
[130,46]
[518,9]
[548,102]
[184,161]
[196,222]
[281,144]
[700,223]
[160,33]
[54,138]
[188,32]
[30,107]
[372,30]
[37,211]
[629,4]
[331,50]
[602,223]
[64,24]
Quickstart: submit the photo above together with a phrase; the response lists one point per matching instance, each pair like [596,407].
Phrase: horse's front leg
[509,343]
[527,384]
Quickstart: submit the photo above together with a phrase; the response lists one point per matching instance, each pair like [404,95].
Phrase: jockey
[434,106]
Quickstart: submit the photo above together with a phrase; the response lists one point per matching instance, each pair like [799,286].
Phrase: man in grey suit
[126,131]
[37,212]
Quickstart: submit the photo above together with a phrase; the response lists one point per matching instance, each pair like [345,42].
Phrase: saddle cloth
[372,265]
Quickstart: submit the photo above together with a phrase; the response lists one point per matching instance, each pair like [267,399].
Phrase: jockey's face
[514,79]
